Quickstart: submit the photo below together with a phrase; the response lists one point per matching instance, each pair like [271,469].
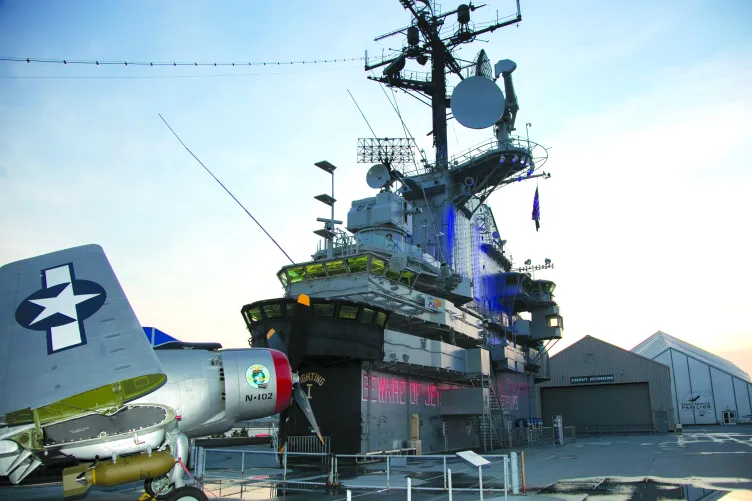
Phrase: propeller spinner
[297,340]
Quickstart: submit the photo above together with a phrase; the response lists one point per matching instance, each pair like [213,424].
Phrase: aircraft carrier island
[423,335]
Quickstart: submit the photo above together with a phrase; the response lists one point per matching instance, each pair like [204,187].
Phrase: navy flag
[536,210]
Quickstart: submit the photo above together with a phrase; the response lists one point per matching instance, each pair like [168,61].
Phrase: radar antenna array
[388,151]
[483,66]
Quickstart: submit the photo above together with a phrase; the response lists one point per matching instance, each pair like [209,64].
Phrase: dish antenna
[477,102]
[378,176]
[397,263]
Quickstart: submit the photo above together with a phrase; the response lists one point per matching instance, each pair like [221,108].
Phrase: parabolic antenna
[397,263]
[505,66]
[477,102]
[378,176]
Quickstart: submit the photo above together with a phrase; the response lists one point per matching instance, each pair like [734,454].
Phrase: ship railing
[513,143]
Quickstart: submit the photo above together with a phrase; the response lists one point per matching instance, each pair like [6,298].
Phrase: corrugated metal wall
[588,406]
[593,357]
[701,393]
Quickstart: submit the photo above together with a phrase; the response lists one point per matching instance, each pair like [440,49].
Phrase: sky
[645,107]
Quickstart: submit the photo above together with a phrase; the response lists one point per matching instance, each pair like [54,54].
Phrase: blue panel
[159,336]
[449,216]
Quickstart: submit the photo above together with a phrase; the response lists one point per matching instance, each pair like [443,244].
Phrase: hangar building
[705,388]
[596,386]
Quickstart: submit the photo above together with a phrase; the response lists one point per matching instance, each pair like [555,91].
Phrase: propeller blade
[302,400]
[282,433]
[299,329]
[274,341]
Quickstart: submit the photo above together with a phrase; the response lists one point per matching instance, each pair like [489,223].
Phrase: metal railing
[407,472]
[308,444]
[374,457]
[423,473]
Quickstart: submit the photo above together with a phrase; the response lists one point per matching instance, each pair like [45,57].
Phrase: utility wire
[225,188]
[174,64]
[157,77]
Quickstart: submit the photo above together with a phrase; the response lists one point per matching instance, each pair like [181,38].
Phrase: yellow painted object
[130,469]
[77,479]
[146,497]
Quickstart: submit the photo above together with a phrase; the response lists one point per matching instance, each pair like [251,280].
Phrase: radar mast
[428,39]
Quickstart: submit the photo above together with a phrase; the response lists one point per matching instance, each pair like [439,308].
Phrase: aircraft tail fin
[69,335]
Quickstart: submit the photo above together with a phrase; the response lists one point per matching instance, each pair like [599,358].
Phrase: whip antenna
[225,188]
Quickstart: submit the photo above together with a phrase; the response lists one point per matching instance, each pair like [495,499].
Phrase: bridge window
[392,275]
[347,311]
[407,278]
[555,321]
[315,271]
[296,274]
[358,264]
[380,318]
[335,268]
[282,278]
[367,315]
[253,315]
[323,309]
[273,310]
[377,266]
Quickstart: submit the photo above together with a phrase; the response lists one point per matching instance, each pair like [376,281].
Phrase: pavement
[700,464]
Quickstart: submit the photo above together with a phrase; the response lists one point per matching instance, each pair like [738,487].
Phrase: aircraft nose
[284,380]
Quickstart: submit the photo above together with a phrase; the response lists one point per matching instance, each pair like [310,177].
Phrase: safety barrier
[254,468]
[374,457]
[226,469]
[308,444]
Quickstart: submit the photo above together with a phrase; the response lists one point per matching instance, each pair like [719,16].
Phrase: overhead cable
[95,62]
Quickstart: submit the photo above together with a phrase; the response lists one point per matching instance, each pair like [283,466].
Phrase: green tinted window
[377,266]
[357,264]
[392,275]
[282,278]
[335,268]
[296,274]
[254,314]
[407,278]
[273,310]
[380,318]
[289,309]
[323,309]
[315,270]
[366,316]
[348,312]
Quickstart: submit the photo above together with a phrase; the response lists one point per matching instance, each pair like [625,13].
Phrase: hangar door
[598,404]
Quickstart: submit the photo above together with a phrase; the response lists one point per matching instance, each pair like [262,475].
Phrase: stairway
[489,426]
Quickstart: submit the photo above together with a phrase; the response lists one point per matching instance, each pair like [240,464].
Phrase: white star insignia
[64,303]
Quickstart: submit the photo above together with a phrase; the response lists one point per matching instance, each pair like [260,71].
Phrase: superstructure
[424,335]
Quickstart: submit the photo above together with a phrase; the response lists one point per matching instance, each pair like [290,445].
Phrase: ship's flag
[536,210]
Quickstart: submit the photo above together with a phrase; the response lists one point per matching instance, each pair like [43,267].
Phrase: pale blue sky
[646,106]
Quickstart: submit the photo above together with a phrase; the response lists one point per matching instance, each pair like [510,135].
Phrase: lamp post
[328,231]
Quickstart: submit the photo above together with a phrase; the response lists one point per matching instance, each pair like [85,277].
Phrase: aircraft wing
[69,339]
